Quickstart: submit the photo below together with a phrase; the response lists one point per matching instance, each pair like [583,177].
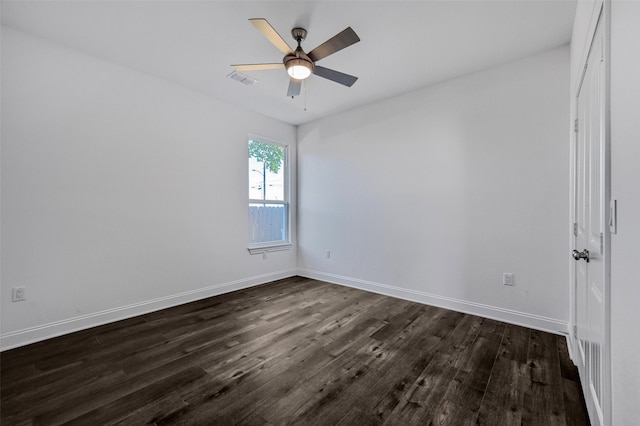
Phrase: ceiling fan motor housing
[299,34]
[299,58]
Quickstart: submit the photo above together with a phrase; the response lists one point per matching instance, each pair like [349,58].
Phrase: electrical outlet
[327,254]
[18,294]
[264,254]
[507,278]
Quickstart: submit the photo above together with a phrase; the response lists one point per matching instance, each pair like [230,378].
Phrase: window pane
[266,171]
[267,223]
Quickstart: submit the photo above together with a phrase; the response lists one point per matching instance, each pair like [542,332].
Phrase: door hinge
[575,331]
[601,243]
[575,229]
[575,125]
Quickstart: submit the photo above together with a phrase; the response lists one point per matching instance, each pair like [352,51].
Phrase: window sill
[269,248]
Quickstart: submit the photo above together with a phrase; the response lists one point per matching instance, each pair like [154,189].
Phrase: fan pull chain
[306,83]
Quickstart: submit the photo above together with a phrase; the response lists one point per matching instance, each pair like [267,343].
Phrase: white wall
[433,195]
[121,193]
[625,187]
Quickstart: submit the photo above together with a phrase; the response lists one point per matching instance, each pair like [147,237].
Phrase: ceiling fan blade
[294,87]
[257,67]
[343,39]
[271,34]
[333,75]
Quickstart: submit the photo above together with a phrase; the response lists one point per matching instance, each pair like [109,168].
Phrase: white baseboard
[537,322]
[570,342]
[46,331]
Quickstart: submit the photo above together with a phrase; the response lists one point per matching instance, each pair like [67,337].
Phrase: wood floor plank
[460,405]
[543,402]
[423,396]
[405,358]
[122,407]
[63,403]
[355,416]
[150,413]
[49,396]
[575,408]
[364,368]
[295,352]
[355,374]
[299,383]
[276,381]
[504,396]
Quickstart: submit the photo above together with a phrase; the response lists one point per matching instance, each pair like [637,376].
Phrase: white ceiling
[404,44]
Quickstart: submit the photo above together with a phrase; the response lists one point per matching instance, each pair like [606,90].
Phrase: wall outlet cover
[507,278]
[18,294]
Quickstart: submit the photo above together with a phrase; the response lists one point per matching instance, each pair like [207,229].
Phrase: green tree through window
[268,194]
[271,157]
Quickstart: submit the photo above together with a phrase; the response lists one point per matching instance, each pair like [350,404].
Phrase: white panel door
[588,250]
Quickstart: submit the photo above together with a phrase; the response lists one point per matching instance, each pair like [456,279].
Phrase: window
[268,196]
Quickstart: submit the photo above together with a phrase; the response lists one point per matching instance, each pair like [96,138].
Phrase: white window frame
[270,246]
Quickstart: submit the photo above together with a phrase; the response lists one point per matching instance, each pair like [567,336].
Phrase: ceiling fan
[300,65]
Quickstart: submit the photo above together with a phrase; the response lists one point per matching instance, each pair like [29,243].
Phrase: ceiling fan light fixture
[299,68]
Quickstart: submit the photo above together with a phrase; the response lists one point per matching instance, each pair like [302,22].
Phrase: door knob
[584,254]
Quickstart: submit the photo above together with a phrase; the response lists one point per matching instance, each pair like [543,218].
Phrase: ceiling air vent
[242,78]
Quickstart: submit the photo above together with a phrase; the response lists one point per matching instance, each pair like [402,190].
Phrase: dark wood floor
[295,351]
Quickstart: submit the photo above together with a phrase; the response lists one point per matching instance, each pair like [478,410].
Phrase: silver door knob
[584,254]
